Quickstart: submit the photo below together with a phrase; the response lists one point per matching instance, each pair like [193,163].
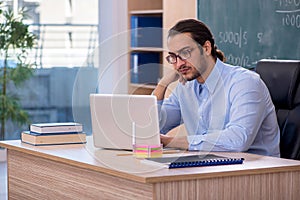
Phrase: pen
[133,134]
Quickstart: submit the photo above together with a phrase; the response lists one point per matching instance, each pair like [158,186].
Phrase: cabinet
[148,22]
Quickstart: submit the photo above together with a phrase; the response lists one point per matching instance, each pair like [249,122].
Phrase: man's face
[185,47]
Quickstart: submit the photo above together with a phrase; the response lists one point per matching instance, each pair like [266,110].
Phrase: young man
[222,107]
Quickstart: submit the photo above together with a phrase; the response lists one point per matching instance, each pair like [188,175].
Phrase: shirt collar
[214,76]
[212,80]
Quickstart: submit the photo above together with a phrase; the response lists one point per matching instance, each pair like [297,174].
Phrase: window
[66,71]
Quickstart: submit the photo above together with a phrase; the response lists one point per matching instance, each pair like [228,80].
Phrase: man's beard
[193,77]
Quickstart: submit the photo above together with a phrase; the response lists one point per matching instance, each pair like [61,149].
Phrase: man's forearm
[163,84]
[174,142]
[160,91]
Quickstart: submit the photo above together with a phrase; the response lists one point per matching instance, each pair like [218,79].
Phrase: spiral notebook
[195,161]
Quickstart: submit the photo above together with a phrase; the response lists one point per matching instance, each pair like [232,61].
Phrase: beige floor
[3,176]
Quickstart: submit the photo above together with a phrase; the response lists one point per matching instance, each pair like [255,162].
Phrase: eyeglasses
[183,55]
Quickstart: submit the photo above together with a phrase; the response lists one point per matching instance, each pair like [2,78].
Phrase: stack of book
[54,133]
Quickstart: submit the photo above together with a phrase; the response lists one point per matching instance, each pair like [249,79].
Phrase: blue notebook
[196,161]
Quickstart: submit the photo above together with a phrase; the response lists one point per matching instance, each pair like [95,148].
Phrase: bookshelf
[148,22]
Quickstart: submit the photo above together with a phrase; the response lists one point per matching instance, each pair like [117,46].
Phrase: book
[62,127]
[194,161]
[146,31]
[52,139]
[145,67]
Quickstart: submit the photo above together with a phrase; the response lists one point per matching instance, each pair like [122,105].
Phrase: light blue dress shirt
[233,112]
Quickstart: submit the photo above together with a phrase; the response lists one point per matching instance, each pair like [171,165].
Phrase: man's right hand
[170,77]
[180,142]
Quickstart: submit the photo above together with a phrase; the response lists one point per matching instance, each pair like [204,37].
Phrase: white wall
[113,49]
[56,11]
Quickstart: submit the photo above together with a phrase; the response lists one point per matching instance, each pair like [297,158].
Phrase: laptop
[119,120]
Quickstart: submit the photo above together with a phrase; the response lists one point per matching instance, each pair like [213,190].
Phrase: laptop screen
[119,120]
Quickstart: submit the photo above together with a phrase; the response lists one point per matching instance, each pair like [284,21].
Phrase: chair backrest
[282,77]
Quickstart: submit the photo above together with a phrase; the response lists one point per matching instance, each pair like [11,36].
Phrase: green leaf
[14,37]
[20,74]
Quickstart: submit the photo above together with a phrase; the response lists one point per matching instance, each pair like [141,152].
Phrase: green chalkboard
[250,30]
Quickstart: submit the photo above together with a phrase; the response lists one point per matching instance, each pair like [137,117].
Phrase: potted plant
[16,41]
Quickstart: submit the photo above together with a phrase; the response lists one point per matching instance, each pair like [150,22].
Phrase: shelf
[145,47]
[145,12]
[142,86]
[141,89]
[136,5]
[152,49]
[143,9]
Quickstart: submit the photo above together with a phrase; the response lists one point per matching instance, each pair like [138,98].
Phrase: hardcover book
[52,139]
[65,127]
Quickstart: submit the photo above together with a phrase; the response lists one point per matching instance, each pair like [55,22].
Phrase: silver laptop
[119,120]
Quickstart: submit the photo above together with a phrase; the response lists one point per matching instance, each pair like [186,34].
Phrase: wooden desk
[83,172]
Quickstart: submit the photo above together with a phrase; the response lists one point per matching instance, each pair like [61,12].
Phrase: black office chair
[282,78]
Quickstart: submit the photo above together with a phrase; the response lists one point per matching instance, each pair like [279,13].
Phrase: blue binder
[145,67]
[146,31]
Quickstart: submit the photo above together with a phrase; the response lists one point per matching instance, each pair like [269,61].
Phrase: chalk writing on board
[291,20]
[252,30]
[237,38]
[289,15]
[242,60]
[288,2]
